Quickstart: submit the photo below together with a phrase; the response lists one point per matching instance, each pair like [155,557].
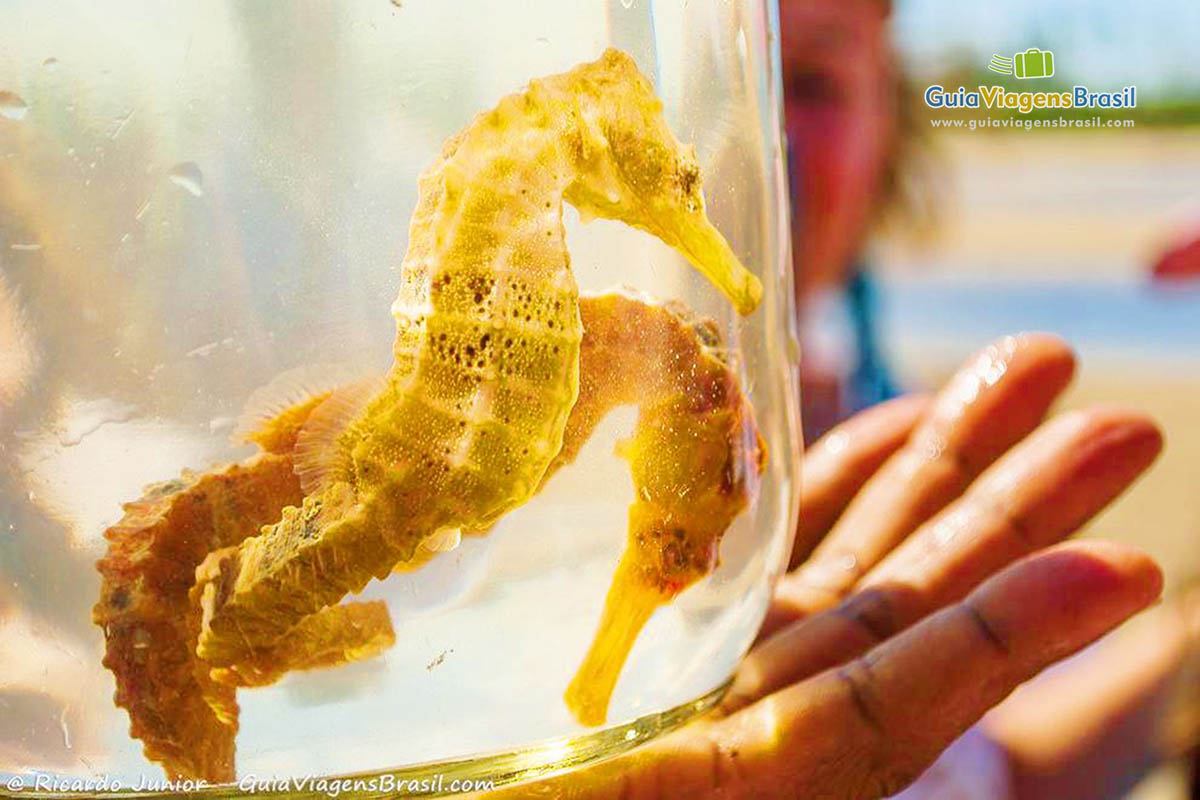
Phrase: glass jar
[197,197]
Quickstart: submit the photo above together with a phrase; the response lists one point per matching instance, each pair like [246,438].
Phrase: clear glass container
[198,196]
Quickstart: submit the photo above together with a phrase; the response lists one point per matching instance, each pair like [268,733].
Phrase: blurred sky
[1150,43]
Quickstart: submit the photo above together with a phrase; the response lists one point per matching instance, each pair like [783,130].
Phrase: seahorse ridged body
[501,371]
[486,350]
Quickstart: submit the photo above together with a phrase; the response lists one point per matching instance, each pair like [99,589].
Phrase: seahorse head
[630,167]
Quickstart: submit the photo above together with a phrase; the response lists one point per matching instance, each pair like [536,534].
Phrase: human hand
[1090,728]
[927,585]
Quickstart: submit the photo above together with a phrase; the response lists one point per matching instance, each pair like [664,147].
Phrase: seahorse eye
[688,176]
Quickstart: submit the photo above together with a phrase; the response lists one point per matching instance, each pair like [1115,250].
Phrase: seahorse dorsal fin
[274,412]
[317,457]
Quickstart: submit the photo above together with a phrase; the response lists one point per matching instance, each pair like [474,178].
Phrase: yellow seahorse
[486,351]
[492,390]
[696,458]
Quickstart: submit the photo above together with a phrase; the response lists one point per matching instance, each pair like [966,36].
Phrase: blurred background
[1083,232]
[1092,233]
[963,235]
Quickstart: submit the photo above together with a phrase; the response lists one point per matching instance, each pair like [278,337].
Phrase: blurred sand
[1099,204]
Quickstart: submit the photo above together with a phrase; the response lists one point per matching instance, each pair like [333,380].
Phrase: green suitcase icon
[1033,63]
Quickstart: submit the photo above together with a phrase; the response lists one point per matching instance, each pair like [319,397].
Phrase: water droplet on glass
[90,416]
[50,63]
[188,176]
[631,734]
[12,106]
[203,351]
[542,40]
[66,731]
[119,125]
[444,540]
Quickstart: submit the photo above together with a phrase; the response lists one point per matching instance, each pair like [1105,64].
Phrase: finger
[1042,491]
[997,398]
[841,461]
[866,729]
[1037,494]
